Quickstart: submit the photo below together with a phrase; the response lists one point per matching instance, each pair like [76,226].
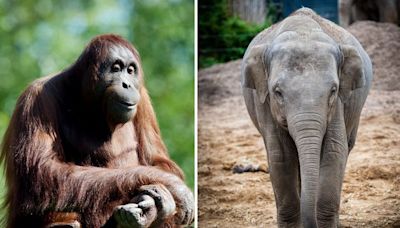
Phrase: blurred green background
[40,37]
[223,36]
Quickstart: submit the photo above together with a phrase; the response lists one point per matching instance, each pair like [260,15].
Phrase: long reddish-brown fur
[42,177]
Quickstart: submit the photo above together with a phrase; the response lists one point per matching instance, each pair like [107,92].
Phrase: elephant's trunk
[307,130]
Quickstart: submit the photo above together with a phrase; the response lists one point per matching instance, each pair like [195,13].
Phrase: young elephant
[305,81]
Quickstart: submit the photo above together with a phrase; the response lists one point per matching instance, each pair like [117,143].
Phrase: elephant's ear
[255,73]
[352,74]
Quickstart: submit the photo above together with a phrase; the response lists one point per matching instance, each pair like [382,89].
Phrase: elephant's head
[301,78]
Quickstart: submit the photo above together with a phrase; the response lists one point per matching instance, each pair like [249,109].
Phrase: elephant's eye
[333,91]
[278,94]
[332,95]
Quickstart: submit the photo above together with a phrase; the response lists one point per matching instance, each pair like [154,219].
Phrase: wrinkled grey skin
[305,81]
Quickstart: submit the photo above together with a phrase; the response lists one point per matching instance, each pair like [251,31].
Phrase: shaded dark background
[40,37]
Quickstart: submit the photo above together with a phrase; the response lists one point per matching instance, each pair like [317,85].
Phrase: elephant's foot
[328,219]
[289,218]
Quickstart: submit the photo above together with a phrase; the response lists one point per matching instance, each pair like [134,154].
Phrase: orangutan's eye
[116,67]
[131,69]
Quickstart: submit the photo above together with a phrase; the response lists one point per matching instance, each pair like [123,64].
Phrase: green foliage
[43,37]
[166,44]
[222,37]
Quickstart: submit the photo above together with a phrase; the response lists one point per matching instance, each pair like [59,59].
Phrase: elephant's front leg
[333,162]
[284,174]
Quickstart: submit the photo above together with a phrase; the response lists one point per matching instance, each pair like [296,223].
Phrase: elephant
[304,83]
[351,11]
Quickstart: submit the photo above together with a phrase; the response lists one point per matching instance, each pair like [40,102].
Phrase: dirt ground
[226,136]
